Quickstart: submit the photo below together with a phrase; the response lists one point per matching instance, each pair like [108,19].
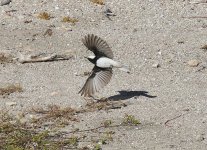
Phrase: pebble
[5,2]
[193,63]
[32,116]
[57,7]
[54,93]
[23,120]
[156,65]
[11,103]
[200,138]
[160,53]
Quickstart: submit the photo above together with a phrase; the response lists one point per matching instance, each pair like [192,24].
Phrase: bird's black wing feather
[98,46]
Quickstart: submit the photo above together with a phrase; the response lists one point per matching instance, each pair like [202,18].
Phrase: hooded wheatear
[103,61]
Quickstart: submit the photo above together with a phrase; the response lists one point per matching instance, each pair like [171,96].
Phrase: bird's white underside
[105,62]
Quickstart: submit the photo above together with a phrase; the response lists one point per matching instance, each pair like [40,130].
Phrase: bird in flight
[103,60]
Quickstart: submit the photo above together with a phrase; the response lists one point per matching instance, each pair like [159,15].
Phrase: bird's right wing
[98,79]
[98,46]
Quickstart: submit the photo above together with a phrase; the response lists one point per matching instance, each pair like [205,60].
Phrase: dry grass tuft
[5,58]
[53,113]
[10,89]
[99,2]
[70,20]
[44,15]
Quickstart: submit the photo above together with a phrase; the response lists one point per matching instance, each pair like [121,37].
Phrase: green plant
[130,120]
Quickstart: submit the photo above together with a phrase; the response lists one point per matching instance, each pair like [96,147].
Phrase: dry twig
[42,58]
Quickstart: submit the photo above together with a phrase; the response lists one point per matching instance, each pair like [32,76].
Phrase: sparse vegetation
[99,2]
[70,20]
[97,147]
[108,136]
[35,134]
[12,88]
[54,113]
[130,120]
[17,136]
[44,15]
[107,123]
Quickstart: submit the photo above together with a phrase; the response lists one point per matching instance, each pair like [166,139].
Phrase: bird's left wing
[98,79]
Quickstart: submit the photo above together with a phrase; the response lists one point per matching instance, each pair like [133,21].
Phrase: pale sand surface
[141,34]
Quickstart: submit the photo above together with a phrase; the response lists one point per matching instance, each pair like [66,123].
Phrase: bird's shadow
[123,95]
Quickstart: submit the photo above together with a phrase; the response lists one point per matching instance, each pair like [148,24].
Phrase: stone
[11,103]
[5,2]
[156,65]
[193,63]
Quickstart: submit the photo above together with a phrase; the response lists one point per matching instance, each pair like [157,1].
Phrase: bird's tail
[125,68]
[120,66]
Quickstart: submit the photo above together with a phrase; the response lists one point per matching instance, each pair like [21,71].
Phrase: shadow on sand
[123,95]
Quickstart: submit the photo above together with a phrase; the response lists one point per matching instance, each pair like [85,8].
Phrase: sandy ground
[142,34]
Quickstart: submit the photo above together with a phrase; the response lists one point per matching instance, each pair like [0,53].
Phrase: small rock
[108,12]
[180,42]
[20,116]
[57,7]
[11,103]
[200,138]
[169,60]
[54,93]
[193,63]
[204,47]
[23,120]
[160,53]
[5,2]
[156,65]
[32,117]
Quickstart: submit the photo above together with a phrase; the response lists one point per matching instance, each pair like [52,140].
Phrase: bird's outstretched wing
[98,46]
[98,79]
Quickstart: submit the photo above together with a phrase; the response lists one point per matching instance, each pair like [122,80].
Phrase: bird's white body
[105,62]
